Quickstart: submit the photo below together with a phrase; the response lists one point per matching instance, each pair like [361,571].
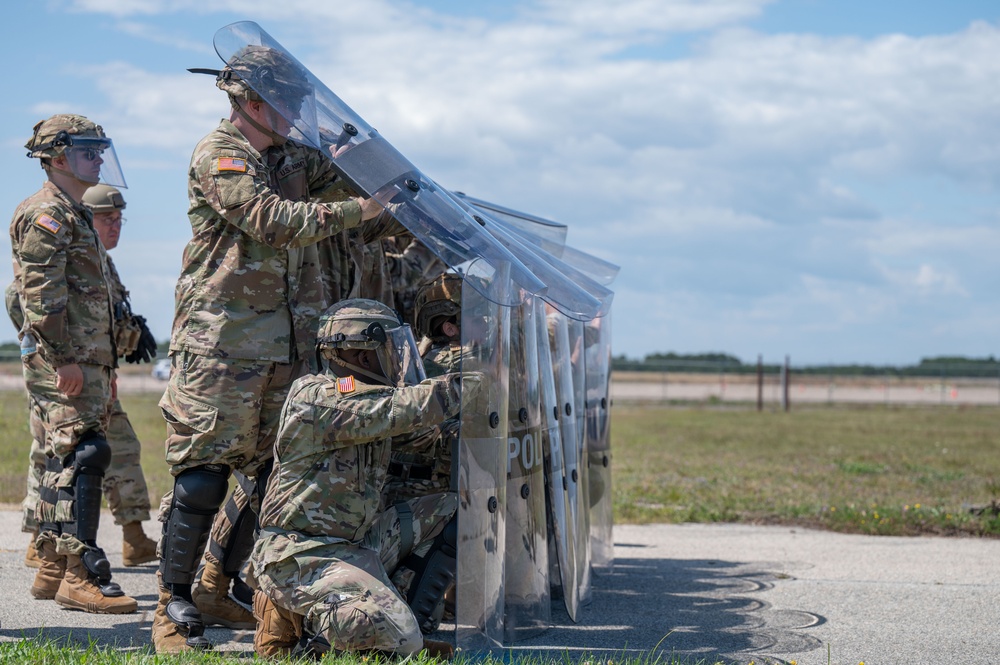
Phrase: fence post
[760,382]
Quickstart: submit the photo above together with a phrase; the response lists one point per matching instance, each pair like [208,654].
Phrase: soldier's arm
[231,186]
[41,253]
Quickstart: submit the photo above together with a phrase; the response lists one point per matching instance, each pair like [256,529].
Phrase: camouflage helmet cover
[440,298]
[261,73]
[53,135]
[103,198]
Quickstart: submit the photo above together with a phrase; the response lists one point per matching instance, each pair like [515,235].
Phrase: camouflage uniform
[326,552]
[124,483]
[410,264]
[62,287]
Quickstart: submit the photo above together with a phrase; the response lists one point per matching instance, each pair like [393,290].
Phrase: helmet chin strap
[355,369]
[276,138]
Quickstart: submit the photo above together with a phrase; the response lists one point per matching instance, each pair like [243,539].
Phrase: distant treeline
[722,362]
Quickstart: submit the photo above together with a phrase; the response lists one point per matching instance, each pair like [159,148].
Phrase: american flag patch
[49,224]
[345,385]
[231,164]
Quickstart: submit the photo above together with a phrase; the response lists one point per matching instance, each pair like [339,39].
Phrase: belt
[411,471]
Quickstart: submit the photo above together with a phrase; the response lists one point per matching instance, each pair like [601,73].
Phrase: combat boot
[31,559]
[137,547]
[211,597]
[51,570]
[167,637]
[278,630]
[439,650]
[78,591]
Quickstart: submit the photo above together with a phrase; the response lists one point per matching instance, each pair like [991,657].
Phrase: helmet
[360,323]
[436,301]
[103,198]
[262,73]
[91,153]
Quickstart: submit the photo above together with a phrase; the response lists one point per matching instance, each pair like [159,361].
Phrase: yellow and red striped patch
[345,385]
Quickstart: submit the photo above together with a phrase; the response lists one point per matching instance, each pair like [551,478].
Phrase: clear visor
[399,358]
[94,160]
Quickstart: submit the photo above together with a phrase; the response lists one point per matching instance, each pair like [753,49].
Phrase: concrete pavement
[734,592]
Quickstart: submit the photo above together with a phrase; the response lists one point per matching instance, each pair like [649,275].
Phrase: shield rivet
[605,461]
[569,409]
[482,222]
[525,491]
[522,414]
[413,185]
[555,412]
[494,420]
[575,475]
[492,504]
[350,129]
[604,402]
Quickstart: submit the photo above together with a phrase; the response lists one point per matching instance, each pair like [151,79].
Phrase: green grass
[875,470]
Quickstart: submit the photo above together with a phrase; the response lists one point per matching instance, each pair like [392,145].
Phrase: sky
[811,178]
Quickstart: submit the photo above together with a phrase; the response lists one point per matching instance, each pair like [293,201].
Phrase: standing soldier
[326,556]
[69,355]
[247,302]
[124,482]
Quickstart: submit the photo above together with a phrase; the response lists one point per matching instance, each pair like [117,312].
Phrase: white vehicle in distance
[161,370]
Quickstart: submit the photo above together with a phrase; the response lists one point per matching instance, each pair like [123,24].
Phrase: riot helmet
[438,301]
[368,325]
[107,204]
[90,154]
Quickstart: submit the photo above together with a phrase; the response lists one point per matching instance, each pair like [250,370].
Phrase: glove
[145,351]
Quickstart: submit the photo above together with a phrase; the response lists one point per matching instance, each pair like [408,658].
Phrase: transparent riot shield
[574,331]
[539,226]
[528,609]
[480,466]
[573,459]
[597,345]
[316,117]
[560,525]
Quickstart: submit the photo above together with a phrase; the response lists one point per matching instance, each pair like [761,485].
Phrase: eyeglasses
[89,154]
[109,220]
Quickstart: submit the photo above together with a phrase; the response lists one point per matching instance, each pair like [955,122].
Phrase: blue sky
[815,178]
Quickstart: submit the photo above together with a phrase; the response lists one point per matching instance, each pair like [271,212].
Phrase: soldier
[437,315]
[124,482]
[69,356]
[244,326]
[326,557]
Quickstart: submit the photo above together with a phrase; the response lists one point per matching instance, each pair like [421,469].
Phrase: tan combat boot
[137,548]
[51,569]
[278,630]
[167,638]
[31,559]
[211,597]
[439,650]
[79,592]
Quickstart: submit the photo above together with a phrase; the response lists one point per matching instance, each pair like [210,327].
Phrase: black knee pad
[435,574]
[202,489]
[92,455]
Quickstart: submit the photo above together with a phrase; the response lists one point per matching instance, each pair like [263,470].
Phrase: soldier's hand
[370,209]
[146,349]
[69,380]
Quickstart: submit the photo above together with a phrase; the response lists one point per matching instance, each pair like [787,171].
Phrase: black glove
[146,350]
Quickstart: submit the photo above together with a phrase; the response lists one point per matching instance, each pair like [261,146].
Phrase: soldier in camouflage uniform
[69,356]
[410,265]
[326,556]
[421,463]
[247,302]
[124,482]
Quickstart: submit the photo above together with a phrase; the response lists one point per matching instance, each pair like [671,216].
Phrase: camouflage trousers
[345,592]
[124,483]
[64,420]
[421,464]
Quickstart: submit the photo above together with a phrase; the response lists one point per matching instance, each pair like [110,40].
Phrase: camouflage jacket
[251,284]
[59,274]
[332,450]
[443,357]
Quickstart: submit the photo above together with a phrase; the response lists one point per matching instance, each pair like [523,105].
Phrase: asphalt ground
[700,592]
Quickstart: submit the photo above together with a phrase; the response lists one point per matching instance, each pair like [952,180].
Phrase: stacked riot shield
[480,465]
[597,356]
[526,568]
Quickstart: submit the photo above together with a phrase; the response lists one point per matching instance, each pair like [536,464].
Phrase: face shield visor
[92,159]
[400,359]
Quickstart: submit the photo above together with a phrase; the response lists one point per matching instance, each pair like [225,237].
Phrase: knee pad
[201,490]
[435,574]
[92,455]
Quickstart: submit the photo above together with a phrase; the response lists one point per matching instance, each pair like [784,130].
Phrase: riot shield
[480,465]
[539,226]
[597,344]
[574,331]
[562,559]
[318,118]
[563,373]
[528,609]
